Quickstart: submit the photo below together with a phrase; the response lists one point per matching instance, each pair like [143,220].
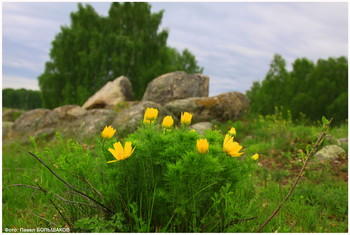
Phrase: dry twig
[45,191]
[70,186]
[313,150]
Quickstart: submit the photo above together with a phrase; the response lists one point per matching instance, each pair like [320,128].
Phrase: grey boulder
[200,127]
[176,85]
[70,120]
[330,152]
[110,94]
[223,107]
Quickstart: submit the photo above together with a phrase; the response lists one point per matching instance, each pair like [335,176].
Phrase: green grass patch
[167,186]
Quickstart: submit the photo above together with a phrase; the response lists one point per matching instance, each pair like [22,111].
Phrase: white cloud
[23,64]
[245,50]
[19,82]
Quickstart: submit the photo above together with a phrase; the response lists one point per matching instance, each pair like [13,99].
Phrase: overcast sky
[234,42]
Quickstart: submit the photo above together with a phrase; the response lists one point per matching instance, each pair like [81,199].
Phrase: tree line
[21,99]
[311,89]
[96,49]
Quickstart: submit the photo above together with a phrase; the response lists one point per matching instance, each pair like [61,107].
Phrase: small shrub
[156,180]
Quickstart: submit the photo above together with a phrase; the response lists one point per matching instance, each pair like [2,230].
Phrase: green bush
[165,185]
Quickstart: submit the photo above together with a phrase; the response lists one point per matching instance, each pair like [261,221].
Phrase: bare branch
[44,219]
[70,186]
[58,196]
[57,209]
[318,142]
[95,190]
[21,185]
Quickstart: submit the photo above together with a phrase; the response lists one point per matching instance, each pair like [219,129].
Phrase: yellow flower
[232,131]
[150,115]
[121,153]
[228,137]
[255,156]
[202,145]
[108,132]
[168,121]
[186,118]
[231,148]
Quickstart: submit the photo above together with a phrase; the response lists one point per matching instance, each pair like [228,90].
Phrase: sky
[234,42]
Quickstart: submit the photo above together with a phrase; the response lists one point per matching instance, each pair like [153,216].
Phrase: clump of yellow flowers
[167,163]
[230,147]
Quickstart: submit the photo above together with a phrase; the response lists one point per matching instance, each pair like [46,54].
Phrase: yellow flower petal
[108,132]
[202,146]
[234,154]
[114,153]
[186,118]
[232,131]
[230,147]
[118,147]
[168,121]
[255,157]
[227,139]
[121,153]
[150,115]
[128,149]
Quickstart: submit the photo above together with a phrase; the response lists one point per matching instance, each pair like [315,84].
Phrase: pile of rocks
[170,93]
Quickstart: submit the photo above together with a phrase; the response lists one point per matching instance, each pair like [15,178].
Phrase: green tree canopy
[95,49]
[264,94]
[315,90]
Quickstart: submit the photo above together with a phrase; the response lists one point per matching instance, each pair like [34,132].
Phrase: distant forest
[309,90]
[21,99]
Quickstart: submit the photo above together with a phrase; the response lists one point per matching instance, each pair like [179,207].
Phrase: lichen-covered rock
[330,152]
[6,127]
[223,107]
[128,120]
[71,121]
[200,127]
[93,122]
[110,94]
[11,115]
[76,122]
[66,114]
[45,133]
[28,123]
[176,85]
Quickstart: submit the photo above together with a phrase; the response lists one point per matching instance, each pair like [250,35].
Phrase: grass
[25,207]
[318,204]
